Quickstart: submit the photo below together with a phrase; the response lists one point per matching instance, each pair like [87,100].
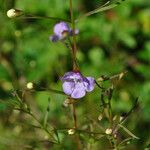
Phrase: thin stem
[41,125]
[42,89]
[75,65]
[74,116]
[68,45]
[32,16]
[99,85]
[113,142]
[109,106]
[74,50]
[75,126]
[51,90]
[75,68]
[110,114]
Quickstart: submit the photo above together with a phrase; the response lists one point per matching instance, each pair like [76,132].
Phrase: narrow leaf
[125,141]
[102,8]
[131,110]
[127,131]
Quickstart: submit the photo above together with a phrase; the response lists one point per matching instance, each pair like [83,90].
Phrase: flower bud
[100,79]
[29,85]
[12,13]
[100,117]
[71,131]
[108,131]
[65,103]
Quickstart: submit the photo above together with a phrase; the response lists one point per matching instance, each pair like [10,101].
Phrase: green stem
[32,16]
[75,68]
[74,49]
[41,125]
[74,116]
[110,114]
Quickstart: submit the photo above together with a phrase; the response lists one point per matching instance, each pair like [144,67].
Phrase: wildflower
[61,31]
[12,13]
[75,85]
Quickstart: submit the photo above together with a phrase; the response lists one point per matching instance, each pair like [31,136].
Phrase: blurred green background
[108,43]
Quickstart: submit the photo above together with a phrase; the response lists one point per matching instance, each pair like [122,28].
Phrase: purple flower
[61,31]
[75,85]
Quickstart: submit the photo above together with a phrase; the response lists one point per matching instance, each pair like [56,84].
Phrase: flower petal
[89,86]
[59,28]
[79,91]
[54,38]
[68,87]
[67,76]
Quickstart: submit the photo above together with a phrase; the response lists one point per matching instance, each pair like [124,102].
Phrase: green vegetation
[109,43]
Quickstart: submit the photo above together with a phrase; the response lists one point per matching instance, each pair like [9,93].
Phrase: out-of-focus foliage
[108,43]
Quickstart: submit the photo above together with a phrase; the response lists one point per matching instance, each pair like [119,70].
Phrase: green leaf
[127,131]
[102,8]
[125,141]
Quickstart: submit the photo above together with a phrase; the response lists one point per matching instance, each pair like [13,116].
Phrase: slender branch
[74,116]
[32,16]
[69,45]
[40,124]
[75,68]
[99,85]
[110,90]
[42,89]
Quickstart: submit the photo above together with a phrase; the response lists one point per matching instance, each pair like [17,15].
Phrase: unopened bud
[68,101]
[71,131]
[100,79]
[12,13]
[65,104]
[114,118]
[100,117]
[30,85]
[128,142]
[121,75]
[121,118]
[115,135]
[108,131]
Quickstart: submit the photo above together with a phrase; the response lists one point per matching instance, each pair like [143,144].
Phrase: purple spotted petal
[79,91]
[89,86]
[76,85]
[68,87]
[54,38]
[69,76]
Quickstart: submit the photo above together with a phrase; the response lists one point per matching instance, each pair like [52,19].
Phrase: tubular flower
[61,31]
[75,85]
